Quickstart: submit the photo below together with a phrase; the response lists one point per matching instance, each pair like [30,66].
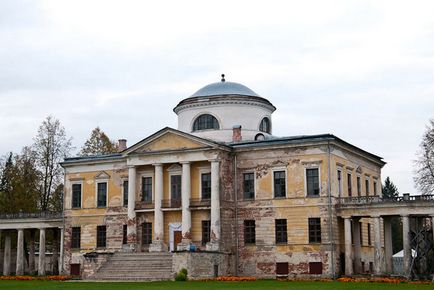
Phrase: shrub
[181,276]
[183,270]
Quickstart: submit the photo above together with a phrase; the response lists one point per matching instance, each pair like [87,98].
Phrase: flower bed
[53,277]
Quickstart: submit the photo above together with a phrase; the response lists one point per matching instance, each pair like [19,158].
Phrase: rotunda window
[204,122]
[265,125]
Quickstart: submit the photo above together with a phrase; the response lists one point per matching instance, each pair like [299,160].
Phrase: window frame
[314,237]
[274,171]
[172,174]
[268,129]
[249,232]
[201,188]
[196,119]
[76,239]
[148,233]
[349,184]
[306,181]
[359,185]
[281,232]
[339,180]
[254,185]
[124,234]
[81,195]
[142,177]
[123,192]
[100,239]
[367,186]
[101,181]
[206,231]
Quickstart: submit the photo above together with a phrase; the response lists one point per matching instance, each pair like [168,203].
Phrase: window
[367,186]
[282,269]
[206,232]
[359,186]
[124,235]
[279,183]
[375,188]
[369,235]
[75,237]
[249,232]
[349,185]
[312,181]
[102,194]
[175,187]
[314,230]
[147,233]
[315,268]
[76,195]
[205,180]
[101,237]
[361,233]
[147,189]
[281,231]
[265,125]
[249,185]
[204,122]
[125,188]
[340,182]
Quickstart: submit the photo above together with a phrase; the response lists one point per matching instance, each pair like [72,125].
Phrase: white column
[378,254]
[41,262]
[62,240]
[132,223]
[214,244]
[388,250]
[406,244]
[357,246]
[7,255]
[186,214]
[20,253]
[158,239]
[348,247]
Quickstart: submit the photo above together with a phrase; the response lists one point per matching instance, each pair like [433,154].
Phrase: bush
[181,277]
[183,270]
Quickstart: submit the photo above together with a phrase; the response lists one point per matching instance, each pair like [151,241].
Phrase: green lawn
[260,285]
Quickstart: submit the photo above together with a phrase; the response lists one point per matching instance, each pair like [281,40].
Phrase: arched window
[259,137]
[205,121]
[265,125]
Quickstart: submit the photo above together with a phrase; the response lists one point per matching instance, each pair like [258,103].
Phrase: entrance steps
[136,267]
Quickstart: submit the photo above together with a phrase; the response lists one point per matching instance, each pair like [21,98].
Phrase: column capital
[346,217]
[184,162]
[214,160]
[157,164]
[131,166]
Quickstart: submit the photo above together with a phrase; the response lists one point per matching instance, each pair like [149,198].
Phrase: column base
[158,246]
[213,246]
[184,245]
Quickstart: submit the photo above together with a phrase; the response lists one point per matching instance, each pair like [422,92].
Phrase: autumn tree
[51,146]
[98,144]
[424,165]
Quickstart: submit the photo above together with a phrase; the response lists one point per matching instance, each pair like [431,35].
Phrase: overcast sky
[362,70]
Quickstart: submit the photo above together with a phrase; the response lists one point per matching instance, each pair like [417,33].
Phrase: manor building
[222,195]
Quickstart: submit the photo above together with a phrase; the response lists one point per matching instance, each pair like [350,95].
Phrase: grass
[214,285]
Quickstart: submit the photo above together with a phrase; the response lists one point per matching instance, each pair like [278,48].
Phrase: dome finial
[223,78]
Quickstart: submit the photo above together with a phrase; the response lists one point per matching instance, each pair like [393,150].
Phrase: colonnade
[158,235]
[20,265]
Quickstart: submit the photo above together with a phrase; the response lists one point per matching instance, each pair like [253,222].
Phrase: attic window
[265,125]
[204,122]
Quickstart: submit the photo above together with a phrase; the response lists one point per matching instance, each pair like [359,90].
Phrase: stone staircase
[136,267]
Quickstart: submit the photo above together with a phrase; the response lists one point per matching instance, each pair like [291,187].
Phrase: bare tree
[424,164]
[51,146]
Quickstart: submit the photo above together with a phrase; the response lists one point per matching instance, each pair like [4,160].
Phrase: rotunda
[219,109]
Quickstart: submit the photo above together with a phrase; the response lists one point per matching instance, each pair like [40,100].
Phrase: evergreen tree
[389,189]
[98,144]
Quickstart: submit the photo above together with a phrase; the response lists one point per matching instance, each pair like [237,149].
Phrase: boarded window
[279,183]
[249,185]
[75,269]
[76,195]
[249,232]
[282,269]
[147,233]
[206,231]
[315,268]
[101,237]
[281,231]
[75,238]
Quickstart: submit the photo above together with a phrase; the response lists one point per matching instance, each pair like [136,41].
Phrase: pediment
[169,140]
[102,175]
